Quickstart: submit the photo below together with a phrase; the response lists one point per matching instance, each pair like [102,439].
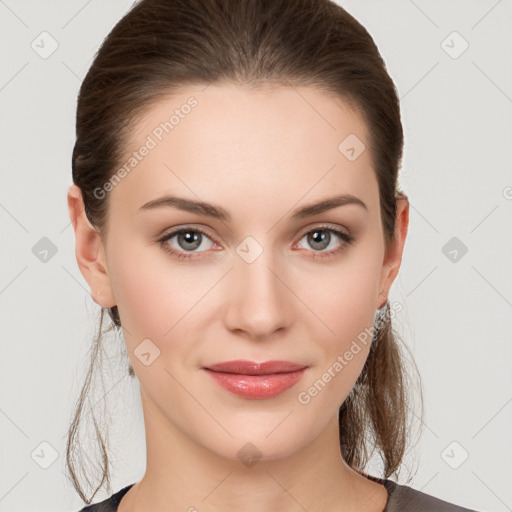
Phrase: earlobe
[89,250]
[393,254]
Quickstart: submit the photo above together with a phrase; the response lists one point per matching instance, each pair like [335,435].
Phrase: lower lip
[257,387]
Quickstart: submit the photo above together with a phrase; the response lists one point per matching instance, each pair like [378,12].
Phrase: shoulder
[403,498]
[108,505]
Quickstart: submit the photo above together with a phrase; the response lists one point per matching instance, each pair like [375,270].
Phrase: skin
[259,155]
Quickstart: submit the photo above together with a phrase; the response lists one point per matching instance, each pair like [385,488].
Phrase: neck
[183,475]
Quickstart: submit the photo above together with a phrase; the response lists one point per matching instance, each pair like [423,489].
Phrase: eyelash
[347,239]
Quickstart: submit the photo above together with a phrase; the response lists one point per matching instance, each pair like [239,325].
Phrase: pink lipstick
[256,381]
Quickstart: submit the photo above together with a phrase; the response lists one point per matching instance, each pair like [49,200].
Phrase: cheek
[344,295]
[341,317]
[157,298]
[146,296]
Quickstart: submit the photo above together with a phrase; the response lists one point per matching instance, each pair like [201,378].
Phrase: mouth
[256,381]
[243,367]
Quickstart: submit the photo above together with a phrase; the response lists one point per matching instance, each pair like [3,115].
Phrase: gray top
[401,498]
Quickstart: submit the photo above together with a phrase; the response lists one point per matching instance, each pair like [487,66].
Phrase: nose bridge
[260,303]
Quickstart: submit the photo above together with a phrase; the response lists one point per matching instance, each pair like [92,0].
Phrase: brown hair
[161,45]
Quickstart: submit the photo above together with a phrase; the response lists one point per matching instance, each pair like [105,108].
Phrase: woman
[236,211]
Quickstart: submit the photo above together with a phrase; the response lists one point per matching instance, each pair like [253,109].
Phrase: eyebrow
[217,212]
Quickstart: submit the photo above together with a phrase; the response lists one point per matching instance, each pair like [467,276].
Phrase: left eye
[320,238]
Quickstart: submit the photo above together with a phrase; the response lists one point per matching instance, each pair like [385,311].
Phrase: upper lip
[252,368]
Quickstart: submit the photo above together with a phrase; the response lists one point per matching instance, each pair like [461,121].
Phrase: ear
[89,251]
[393,254]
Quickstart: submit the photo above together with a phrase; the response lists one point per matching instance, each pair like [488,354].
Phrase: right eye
[188,239]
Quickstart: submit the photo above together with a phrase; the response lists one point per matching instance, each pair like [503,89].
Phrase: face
[261,281]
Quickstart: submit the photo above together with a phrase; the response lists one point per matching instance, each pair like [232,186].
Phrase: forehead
[277,144]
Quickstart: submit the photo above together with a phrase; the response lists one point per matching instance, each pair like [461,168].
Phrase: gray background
[457,321]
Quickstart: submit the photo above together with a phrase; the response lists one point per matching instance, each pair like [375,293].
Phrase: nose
[259,299]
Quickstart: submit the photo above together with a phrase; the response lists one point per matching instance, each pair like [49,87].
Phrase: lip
[256,381]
